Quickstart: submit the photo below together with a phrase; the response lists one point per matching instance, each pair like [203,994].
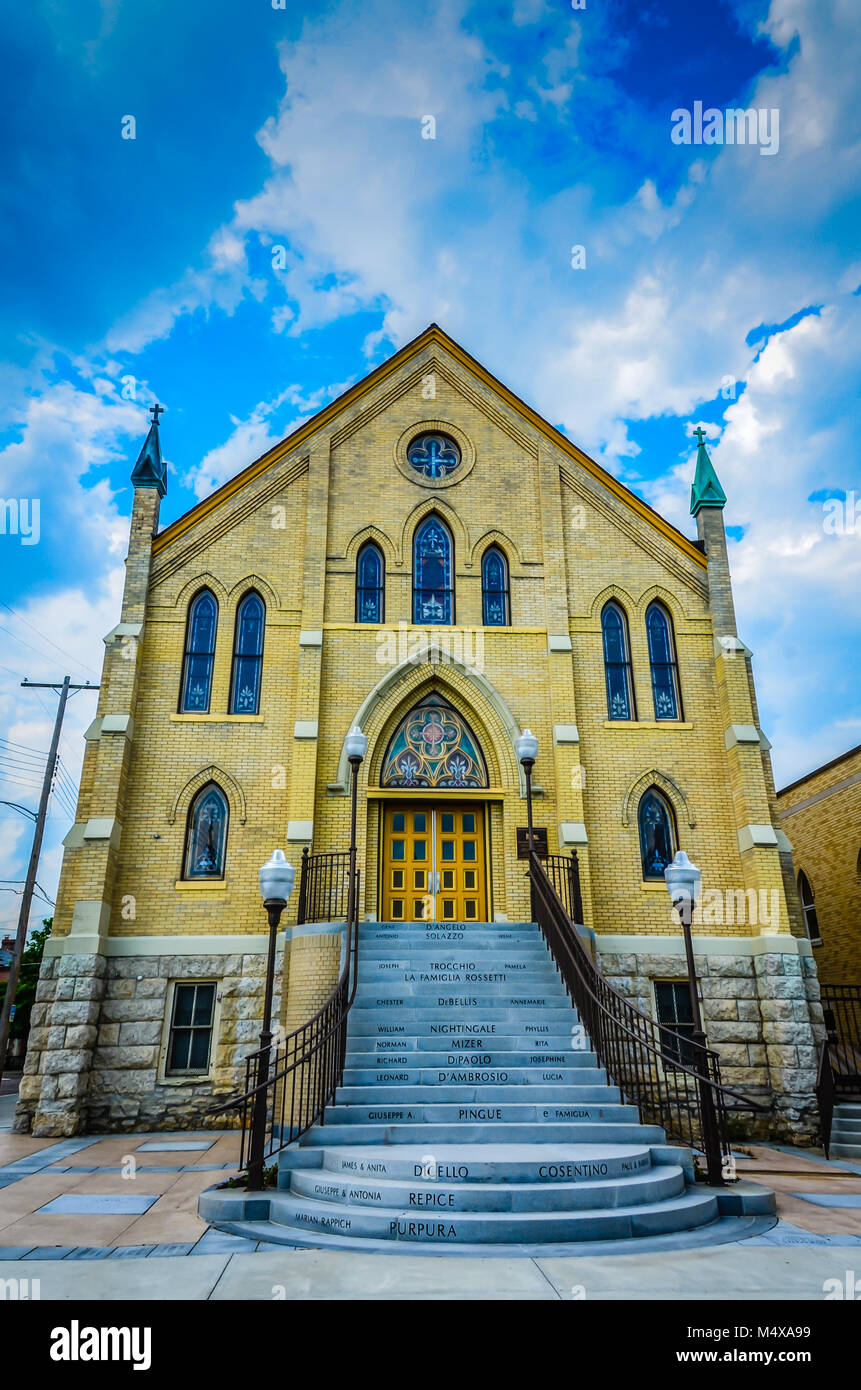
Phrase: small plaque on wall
[539,840]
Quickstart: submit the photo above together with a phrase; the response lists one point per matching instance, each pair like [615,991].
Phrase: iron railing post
[303,888]
[274,908]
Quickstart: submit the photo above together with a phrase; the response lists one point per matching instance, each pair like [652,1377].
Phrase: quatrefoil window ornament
[434,455]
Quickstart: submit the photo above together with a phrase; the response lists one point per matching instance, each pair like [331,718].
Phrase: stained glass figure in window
[199,654]
[433,747]
[662,657]
[657,836]
[433,592]
[370,585]
[207,834]
[247,656]
[495,600]
[434,455]
[617,663]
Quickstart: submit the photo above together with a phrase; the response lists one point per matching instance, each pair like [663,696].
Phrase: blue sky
[720,285]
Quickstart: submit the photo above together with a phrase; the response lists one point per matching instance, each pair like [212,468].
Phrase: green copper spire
[149,471]
[706,490]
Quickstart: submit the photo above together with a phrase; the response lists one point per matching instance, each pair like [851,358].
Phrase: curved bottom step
[724,1231]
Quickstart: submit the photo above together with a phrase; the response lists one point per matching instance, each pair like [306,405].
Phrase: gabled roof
[432,335]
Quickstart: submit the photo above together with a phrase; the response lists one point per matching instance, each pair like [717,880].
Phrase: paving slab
[172,1146]
[100,1204]
[323,1274]
[158,1278]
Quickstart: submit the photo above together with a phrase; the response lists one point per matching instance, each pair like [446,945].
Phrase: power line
[46,639]
[24,747]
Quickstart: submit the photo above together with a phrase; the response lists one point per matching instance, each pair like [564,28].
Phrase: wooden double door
[433,862]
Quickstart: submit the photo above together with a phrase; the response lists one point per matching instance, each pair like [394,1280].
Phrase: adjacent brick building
[429,559]
[821,814]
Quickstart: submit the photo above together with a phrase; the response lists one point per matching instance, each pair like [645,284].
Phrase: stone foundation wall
[762,1016]
[95,1061]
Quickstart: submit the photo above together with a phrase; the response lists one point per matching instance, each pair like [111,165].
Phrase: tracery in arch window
[196,685]
[433,746]
[246,676]
[370,584]
[495,594]
[433,585]
[206,834]
[433,455]
[657,833]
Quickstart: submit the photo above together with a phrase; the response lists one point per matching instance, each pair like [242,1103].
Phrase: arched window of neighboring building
[657,833]
[617,663]
[370,585]
[247,673]
[196,686]
[433,580]
[495,594]
[206,837]
[662,658]
[805,892]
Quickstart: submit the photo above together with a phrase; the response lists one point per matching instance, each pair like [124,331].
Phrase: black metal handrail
[841,1009]
[302,1070]
[825,1096]
[324,887]
[664,1073]
[564,874]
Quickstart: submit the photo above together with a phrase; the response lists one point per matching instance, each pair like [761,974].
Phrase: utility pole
[33,866]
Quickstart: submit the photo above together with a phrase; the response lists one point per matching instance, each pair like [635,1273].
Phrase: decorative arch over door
[433,746]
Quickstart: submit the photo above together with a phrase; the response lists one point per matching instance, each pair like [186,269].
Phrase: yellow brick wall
[825,833]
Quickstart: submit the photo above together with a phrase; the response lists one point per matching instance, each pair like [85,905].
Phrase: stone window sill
[647,724]
[216,719]
[654,886]
[201,885]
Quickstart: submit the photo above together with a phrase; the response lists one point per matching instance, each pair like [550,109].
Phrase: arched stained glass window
[247,671]
[206,838]
[370,585]
[808,907]
[199,654]
[495,597]
[433,747]
[434,455]
[662,657]
[617,663]
[433,585]
[657,833]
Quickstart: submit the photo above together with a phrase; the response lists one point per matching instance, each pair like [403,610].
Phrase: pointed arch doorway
[434,849]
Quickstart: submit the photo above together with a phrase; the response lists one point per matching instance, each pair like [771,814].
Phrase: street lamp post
[684,883]
[276,885]
[527,751]
[357,746]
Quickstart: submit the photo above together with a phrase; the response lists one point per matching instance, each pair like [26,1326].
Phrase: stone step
[491,974]
[381,1062]
[555,1020]
[423,1093]
[488,1163]
[549,994]
[847,1109]
[682,1212]
[844,1150]
[429,1112]
[478,1132]
[842,1125]
[458,957]
[451,931]
[554,1045]
[475,1076]
[415,1195]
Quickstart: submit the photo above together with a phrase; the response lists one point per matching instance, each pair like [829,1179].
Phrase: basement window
[191,1027]
[673,1008]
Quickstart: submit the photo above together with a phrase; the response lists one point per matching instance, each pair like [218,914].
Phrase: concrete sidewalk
[735,1272]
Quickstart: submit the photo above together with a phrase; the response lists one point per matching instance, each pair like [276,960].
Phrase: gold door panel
[433,863]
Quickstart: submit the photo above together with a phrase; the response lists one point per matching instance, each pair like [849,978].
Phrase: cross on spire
[699,432]
[155,411]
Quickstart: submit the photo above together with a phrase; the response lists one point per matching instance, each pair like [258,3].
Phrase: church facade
[431,561]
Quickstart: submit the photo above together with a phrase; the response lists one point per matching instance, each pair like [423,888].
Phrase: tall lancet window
[662,657]
[433,585]
[200,630]
[657,833]
[617,663]
[495,598]
[247,671]
[370,585]
[206,838]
